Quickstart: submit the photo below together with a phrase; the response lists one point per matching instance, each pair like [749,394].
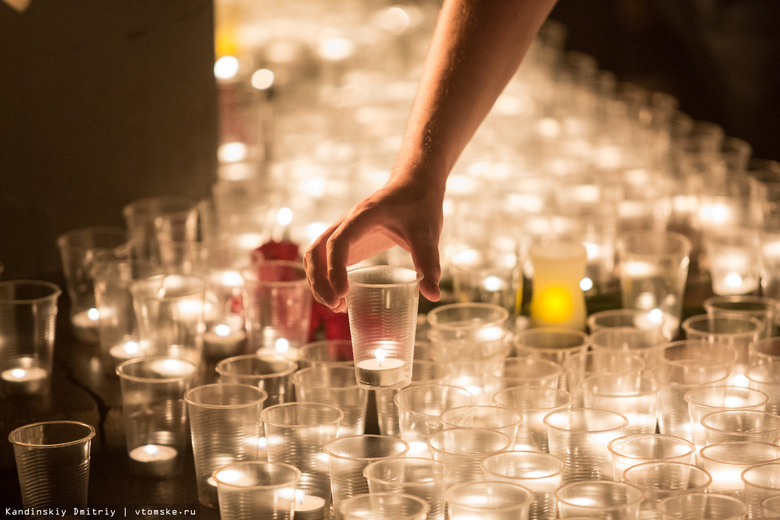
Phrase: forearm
[476,48]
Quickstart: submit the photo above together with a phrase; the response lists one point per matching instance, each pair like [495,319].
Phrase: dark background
[103,102]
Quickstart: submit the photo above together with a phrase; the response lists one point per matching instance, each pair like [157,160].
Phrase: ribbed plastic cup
[489,417]
[599,499]
[533,403]
[493,500]
[462,451]
[580,436]
[540,473]
[631,450]
[423,478]
[52,461]
[659,480]
[761,482]
[419,412]
[28,314]
[335,385]
[740,425]
[296,434]
[277,306]
[708,399]
[268,372]
[632,395]
[225,427]
[249,490]
[423,372]
[383,506]
[382,306]
[155,414]
[726,461]
[349,456]
[712,506]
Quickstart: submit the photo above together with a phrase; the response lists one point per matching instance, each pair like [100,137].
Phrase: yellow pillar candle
[557,299]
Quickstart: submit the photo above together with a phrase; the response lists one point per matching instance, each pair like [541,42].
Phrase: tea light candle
[173,367]
[154,460]
[734,273]
[381,371]
[309,507]
[88,319]
[125,351]
[222,341]
[25,378]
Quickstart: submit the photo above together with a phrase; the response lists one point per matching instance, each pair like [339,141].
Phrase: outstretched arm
[476,48]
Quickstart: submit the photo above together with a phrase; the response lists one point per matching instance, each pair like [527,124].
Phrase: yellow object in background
[557,299]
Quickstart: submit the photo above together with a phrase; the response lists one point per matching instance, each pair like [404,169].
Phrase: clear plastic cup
[423,372]
[256,489]
[52,461]
[760,483]
[277,307]
[531,371]
[169,312]
[79,249]
[225,427]
[423,478]
[599,499]
[462,451]
[533,403]
[383,506]
[740,425]
[764,309]
[634,396]
[420,408]
[551,343]
[335,385]
[704,400]
[766,378]
[653,270]
[630,450]
[489,500]
[726,461]
[382,306]
[580,436]
[296,434]
[645,343]
[155,414]
[737,331]
[156,221]
[662,479]
[349,456]
[540,473]
[269,372]
[702,506]
[28,314]
[613,363]
[329,351]
[489,417]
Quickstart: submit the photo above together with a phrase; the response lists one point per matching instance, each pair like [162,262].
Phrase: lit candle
[86,324]
[154,460]
[222,341]
[173,367]
[734,273]
[381,371]
[25,378]
[125,351]
[309,507]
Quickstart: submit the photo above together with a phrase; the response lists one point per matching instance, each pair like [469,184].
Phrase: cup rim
[612,445]
[742,475]
[161,379]
[295,404]
[585,408]
[395,460]
[453,492]
[537,454]
[483,454]
[90,434]
[292,366]
[297,472]
[706,496]
[262,396]
[327,447]
[731,411]
[649,463]
[417,276]
[56,291]
[688,397]
[606,483]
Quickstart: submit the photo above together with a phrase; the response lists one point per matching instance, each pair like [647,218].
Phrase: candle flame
[93,314]
[299,496]
[380,356]
[150,449]
[222,330]
[282,345]
[18,372]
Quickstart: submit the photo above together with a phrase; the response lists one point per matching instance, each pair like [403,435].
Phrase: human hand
[407,214]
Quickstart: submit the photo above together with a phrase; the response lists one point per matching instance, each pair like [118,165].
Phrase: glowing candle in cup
[25,378]
[309,507]
[223,341]
[381,371]
[86,322]
[154,459]
[125,351]
[173,367]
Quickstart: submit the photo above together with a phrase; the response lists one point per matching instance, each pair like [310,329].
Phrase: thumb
[426,261]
